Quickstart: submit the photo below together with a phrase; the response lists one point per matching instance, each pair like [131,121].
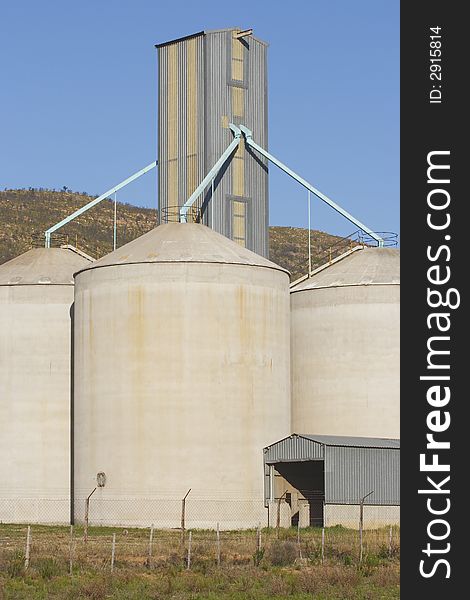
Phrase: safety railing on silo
[357,238]
[172,214]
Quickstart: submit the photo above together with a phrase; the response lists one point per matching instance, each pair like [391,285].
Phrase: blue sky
[78,97]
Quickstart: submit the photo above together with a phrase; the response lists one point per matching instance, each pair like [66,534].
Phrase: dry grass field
[235,565]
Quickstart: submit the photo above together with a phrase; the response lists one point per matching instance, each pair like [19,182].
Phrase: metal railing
[390,238]
[357,238]
[172,214]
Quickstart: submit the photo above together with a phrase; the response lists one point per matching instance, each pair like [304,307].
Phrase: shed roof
[340,440]
[354,442]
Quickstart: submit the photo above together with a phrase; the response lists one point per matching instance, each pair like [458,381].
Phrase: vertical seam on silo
[238,162]
[201,108]
[265,200]
[163,133]
[191,122]
[182,121]
[172,125]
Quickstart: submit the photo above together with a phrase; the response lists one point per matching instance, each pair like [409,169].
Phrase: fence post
[298,538]
[258,541]
[390,533]
[71,551]
[189,550]
[322,544]
[278,520]
[113,552]
[87,510]
[361,524]
[28,547]
[150,546]
[183,515]
[218,545]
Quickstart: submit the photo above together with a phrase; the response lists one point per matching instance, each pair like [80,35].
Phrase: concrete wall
[35,334]
[182,377]
[345,361]
[346,515]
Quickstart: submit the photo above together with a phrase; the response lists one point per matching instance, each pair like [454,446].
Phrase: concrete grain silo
[345,347]
[36,294]
[182,376]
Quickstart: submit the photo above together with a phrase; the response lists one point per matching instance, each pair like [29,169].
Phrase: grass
[328,583]
[279,569]
[234,583]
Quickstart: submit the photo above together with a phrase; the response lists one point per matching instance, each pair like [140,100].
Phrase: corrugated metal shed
[206,81]
[295,448]
[354,466]
[356,442]
[351,473]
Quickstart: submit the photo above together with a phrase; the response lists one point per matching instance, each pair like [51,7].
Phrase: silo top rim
[369,266]
[53,266]
[182,243]
[199,33]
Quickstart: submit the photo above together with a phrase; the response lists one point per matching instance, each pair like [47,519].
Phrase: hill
[25,214]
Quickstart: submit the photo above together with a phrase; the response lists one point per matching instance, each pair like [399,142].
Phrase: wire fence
[193,511]
[66,549]
[189,532]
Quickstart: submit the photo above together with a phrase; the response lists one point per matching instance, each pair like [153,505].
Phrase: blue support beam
[94,202]
[249,140]
[212,173]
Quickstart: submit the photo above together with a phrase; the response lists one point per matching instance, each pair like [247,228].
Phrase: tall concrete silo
[182,375]
[345,347]
[206,81]
[36,294]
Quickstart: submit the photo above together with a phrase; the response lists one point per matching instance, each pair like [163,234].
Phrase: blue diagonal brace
[249,140]
[94,202]
[212,173]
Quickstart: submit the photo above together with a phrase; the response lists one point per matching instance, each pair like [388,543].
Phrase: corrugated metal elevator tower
[206,81]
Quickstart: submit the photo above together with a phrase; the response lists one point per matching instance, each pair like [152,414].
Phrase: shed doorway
[308,478]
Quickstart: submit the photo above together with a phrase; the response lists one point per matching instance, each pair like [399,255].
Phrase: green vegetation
[25,215]
[288,247]
[280,568]
[236,583]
